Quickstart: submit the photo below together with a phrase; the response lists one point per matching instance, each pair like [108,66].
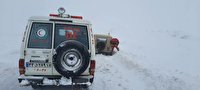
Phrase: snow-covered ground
[159,41]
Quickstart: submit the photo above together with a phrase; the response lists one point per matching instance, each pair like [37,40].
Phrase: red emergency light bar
[77,17]
[57,15]
[54,15]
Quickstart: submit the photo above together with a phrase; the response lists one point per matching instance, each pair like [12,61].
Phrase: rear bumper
[51,80]
[30,78]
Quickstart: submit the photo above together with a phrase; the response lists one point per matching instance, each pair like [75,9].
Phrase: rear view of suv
[57,50]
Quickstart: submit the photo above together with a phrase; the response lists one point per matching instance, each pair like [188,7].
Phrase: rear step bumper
[44,81]
[22,77]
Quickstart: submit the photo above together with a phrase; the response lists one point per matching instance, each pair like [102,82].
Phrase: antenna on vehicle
[110,31]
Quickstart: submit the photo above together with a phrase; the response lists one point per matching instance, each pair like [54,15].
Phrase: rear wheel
[71,59]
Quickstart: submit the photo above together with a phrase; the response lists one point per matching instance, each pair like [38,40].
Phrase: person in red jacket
[114,44]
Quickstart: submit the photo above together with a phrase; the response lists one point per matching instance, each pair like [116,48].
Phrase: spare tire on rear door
[71,58]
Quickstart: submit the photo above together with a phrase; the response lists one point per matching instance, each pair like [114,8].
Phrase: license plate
[38,65]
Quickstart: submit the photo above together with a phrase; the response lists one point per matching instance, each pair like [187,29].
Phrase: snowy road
[118,72]
[159,41]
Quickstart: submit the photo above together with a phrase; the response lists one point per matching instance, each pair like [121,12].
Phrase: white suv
[57,50]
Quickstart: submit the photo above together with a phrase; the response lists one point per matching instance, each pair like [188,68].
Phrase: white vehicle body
[33,57]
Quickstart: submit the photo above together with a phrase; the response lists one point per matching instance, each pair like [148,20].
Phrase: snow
[159,41]
[65,81]
[122,72]
[24,83]
[46,81]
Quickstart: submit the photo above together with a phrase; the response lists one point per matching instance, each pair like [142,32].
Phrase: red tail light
[92,67]
[77,17]
[21,66]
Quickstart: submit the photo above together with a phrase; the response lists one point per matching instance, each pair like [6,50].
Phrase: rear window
[64,32]
[40,35]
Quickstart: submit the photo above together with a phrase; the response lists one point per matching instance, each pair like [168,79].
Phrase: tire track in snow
[8,79]
[107,75]
[153,80]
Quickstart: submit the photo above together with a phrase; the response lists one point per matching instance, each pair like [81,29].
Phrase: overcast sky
[108,15]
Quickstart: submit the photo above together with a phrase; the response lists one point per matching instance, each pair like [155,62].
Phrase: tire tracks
[153,79]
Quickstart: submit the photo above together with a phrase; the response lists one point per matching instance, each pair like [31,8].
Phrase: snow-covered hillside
[159,41]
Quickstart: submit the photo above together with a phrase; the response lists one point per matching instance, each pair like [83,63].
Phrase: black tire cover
[67,45]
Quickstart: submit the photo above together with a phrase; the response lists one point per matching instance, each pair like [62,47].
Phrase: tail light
[21,66]
[92,67]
